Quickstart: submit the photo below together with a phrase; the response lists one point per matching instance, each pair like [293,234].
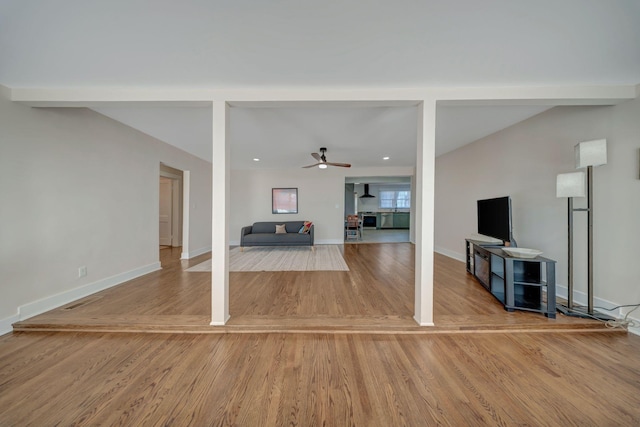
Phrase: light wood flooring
[375,296]
[573,375]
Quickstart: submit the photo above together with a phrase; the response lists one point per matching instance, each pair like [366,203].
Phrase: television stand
[518,283]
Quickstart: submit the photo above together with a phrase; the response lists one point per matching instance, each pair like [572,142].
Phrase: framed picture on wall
[284,200]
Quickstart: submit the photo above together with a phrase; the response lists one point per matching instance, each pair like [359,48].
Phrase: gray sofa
[264,234]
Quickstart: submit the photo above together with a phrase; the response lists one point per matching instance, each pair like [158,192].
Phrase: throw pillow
[281,229]
[306,227]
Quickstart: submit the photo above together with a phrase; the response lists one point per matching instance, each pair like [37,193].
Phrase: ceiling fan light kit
[322,161]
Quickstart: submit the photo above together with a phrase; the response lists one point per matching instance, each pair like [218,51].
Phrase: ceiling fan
[322,161]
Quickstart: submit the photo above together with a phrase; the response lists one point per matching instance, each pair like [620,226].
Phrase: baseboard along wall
[54,301]
[195,253]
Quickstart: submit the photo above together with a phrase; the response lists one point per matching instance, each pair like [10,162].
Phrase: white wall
[80,189]
[320,197]
[523,161]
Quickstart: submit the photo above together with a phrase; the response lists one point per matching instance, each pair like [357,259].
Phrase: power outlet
[82,271]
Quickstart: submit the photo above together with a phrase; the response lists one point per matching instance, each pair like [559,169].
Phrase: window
[395,199]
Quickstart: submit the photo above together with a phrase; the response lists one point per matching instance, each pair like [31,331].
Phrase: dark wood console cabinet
[518,283]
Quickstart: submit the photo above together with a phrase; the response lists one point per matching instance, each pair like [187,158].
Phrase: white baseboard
[450,254]
[195,253]
[49,303]
[328,241]
[581,298]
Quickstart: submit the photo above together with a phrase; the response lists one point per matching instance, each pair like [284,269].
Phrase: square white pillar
[220,215]
[425,199]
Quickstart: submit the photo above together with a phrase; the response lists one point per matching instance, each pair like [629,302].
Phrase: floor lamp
[588,154]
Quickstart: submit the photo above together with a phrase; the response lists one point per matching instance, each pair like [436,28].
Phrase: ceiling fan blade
[322,160]
[311,166]
[342,165]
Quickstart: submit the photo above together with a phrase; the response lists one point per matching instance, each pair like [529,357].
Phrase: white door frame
[166,212]
[180,226]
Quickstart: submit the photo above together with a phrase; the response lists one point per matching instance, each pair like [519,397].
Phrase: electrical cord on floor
[617,307]
[623,323]
[583,314]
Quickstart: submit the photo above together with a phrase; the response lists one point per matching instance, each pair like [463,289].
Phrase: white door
[166,204]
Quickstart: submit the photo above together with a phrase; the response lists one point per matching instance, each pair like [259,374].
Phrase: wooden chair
[352,227]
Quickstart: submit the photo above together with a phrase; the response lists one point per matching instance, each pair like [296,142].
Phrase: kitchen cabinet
[401,220]
[393,219]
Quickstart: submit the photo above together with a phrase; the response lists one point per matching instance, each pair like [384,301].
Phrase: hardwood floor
[565,371]
[109,379]
[375,296]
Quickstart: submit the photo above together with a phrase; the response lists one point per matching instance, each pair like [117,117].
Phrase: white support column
[186,213]
[220,216]
[425,187]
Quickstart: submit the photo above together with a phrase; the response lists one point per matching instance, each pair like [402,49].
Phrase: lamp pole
[588,154]
[580,311]
[590,239]
[570,255]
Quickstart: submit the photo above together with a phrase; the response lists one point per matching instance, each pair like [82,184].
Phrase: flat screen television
[494,218]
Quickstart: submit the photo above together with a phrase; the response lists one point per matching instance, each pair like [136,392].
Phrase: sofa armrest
[245,230]
[311,234]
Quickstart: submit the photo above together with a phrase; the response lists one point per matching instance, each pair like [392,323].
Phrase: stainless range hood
[366,194]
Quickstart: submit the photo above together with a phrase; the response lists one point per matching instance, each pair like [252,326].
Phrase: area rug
[324,258]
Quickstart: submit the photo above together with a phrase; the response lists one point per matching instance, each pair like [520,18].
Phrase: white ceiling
[281,136]
[333,44]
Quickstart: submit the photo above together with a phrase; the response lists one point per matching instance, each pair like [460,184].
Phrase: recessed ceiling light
[385,158]
[256,160]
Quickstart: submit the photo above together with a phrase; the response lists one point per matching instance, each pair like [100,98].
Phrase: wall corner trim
[5,324]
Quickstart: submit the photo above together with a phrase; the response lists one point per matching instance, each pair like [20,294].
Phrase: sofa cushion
[263,227]
[270,226]
[305,228]
[280,229]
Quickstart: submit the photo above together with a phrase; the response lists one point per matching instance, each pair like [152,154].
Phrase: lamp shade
[591,153]
[570,185]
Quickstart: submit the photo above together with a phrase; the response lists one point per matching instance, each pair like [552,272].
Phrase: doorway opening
[383,205]
[170,208]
